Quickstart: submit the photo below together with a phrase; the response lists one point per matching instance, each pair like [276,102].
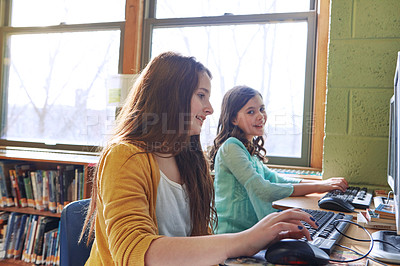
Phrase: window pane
[185,8]
[57,86]
[269,57]
[54,12]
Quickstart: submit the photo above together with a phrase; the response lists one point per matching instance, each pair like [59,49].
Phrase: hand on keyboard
[325,237]
[334,183]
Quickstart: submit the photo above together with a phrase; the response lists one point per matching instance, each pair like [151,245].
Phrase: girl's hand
[334,183]
[274,227]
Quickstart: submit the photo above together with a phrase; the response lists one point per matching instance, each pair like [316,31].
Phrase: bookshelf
[54,161]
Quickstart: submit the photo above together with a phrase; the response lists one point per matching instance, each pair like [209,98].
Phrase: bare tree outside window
[266,52]
[59,93]
[55,77]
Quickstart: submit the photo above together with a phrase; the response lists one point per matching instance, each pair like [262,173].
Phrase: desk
[311,202]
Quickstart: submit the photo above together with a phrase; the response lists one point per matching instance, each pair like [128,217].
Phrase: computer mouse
[295,252]
[335,204]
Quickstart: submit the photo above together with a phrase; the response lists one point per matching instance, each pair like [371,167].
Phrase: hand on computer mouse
[295,252]
[276,226]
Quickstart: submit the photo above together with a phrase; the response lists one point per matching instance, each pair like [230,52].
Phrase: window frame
[151,22]
[6,30]
[131,61]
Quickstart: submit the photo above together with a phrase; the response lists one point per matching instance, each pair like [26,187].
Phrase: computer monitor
[380,250]
[393,177]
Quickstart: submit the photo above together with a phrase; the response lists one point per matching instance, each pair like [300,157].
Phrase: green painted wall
[363,45]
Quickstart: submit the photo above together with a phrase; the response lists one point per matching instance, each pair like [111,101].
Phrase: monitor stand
[384,252]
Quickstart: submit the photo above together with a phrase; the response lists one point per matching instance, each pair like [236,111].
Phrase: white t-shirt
[172,208]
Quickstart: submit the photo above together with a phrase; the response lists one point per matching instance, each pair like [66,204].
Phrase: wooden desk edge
[309,201]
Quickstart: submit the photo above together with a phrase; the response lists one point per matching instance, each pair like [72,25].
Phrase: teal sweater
[245,188]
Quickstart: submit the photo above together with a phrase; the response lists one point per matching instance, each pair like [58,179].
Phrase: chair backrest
[72,218]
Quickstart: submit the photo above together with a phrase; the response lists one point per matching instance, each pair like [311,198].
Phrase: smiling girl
[244,186]
[153,195]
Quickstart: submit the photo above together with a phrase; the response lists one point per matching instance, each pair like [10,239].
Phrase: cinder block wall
[363,46]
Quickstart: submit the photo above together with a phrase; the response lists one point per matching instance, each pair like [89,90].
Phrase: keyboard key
[358,197]
[326,236]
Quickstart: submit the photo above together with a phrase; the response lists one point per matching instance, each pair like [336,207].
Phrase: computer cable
[384,242]
[388,197]
[366,240]
[371,245]
[360,254]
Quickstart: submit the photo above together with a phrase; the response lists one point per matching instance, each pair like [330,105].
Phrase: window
[58,59]
[267,45]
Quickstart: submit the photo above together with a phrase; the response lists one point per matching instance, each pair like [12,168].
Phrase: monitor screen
[394,144]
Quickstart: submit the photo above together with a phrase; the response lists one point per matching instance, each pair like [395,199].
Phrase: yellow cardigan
[126,206]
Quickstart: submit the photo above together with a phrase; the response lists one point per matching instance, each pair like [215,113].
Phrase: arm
[214,249]
[126,220]
[316,186]
[262,186]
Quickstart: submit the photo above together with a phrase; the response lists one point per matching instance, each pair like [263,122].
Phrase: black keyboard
[326,236]
[358,197]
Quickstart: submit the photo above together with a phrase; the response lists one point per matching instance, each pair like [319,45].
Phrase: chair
[72,218]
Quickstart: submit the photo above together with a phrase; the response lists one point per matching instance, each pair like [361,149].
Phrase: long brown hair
[155,118]
[233,101]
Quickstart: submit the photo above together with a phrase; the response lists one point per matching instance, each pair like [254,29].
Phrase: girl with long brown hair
[153,197]
[238,158]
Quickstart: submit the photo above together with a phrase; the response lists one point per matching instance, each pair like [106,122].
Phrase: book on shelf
[30,238]
[46,238]
[68,183]
[81,185]
[8,248]
[385,211]
[32,254]
[14,235]
[57,247]
[4,218]
[52,176]
[39,189]
[29,191]
[21,170]
[15,189]
[45,194]
[27,253]
[46,224]
[59,189]
[49,238]
[76,186]
[50,246]
[27,236]
[52,258]
[44,190]
[7,199]
[34,188]
[20,236]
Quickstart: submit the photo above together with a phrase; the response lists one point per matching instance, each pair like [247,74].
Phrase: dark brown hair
[233,101]
[155,118]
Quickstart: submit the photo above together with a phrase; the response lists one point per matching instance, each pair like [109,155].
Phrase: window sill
[297,171]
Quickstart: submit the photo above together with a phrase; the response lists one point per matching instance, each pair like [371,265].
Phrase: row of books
[382,217]
[21,185]
[30,238]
